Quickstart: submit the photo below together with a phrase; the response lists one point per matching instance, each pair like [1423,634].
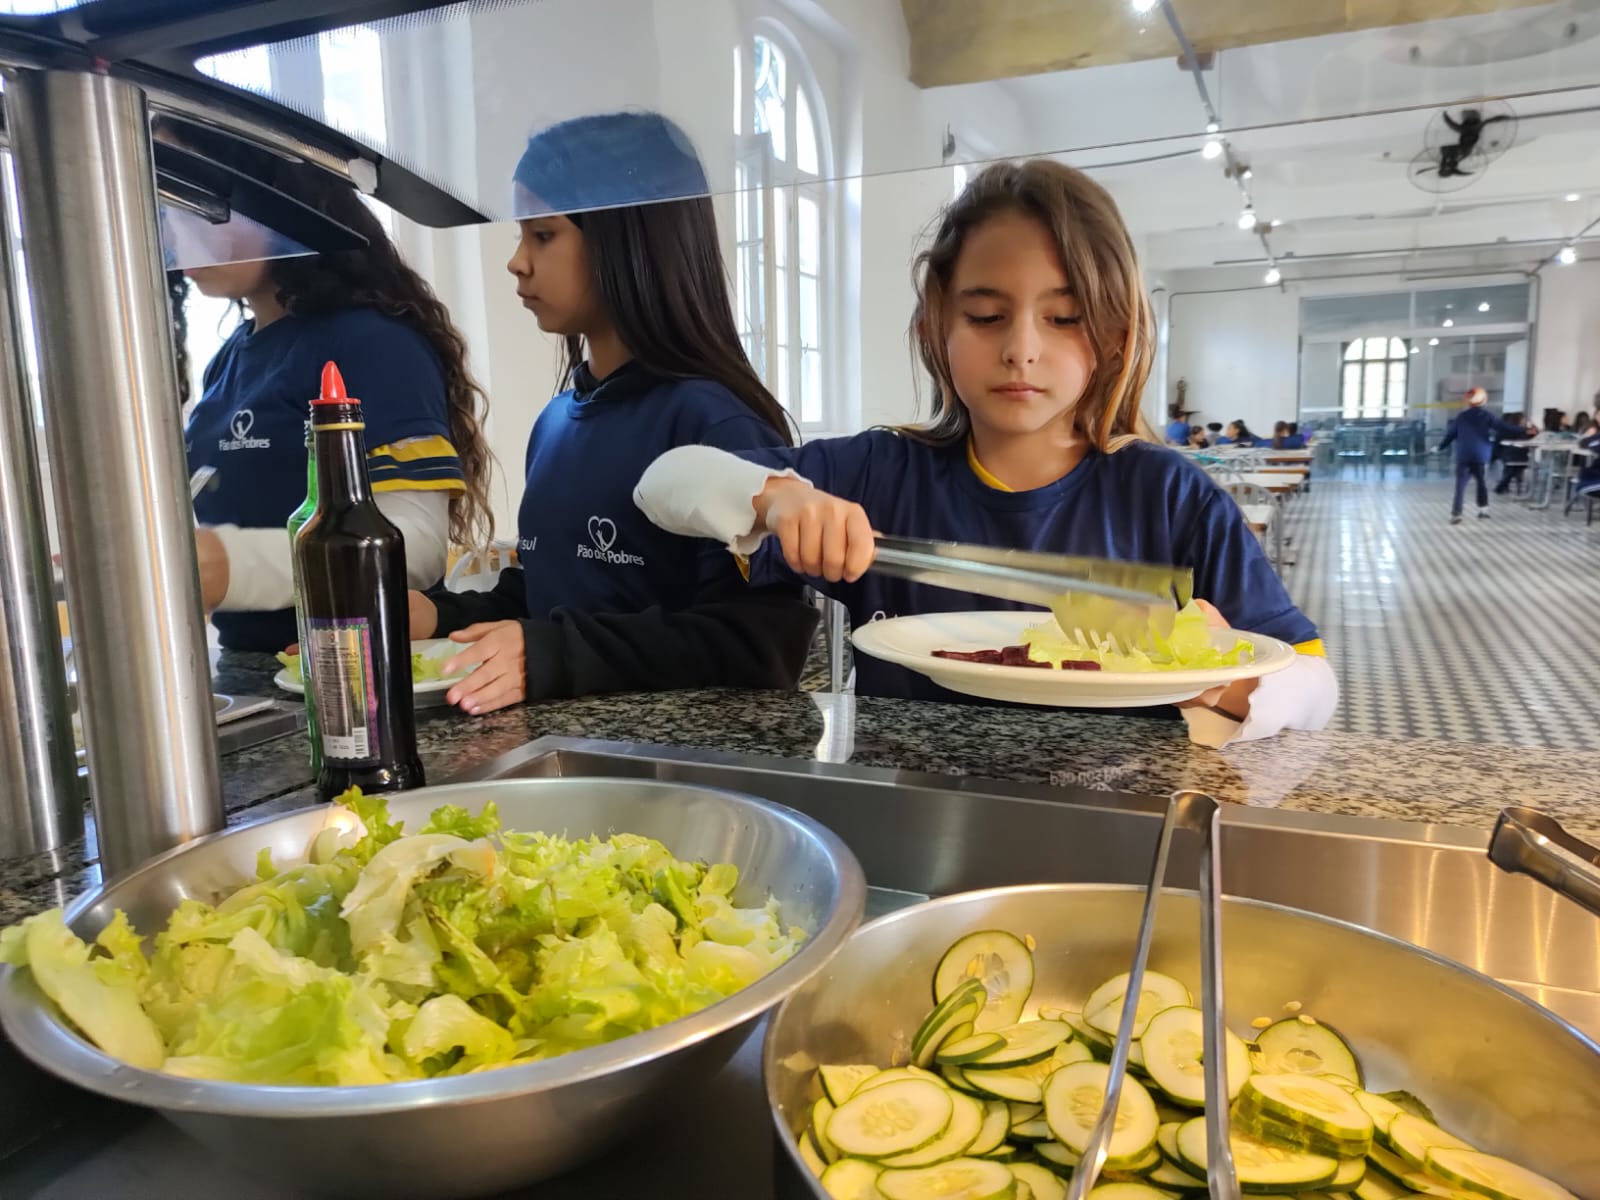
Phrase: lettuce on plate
[387,956]
[1187,648]
[424,668]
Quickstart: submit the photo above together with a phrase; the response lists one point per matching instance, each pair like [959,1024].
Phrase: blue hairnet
[607,160]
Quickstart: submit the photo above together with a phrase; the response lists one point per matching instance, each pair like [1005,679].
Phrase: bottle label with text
[345,692]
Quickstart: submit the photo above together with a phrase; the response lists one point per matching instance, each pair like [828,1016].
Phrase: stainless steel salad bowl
[474,1134]
[1497,1069]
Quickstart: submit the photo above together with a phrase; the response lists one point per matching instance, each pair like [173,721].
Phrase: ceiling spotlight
[1449,323]
[1143,6]
[1245,172]
[1484,306]
[1416,349]
[1273,276]
[1433,341]
[1573,197]
[1212,149]
[1247,219]
[1276,222]
[1212,127]
[1568,256]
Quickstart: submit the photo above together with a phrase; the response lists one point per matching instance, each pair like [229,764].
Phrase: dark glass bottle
[352,567]
[297,521]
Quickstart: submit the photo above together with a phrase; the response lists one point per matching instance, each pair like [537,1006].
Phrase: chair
[1397,447]
[1260,514]
[479,570]
[1351,446]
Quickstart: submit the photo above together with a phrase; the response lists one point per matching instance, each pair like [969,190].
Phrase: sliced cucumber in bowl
[1304,1047]
[1261,1167]
[1173,1045]
[1073,1097]
[1314,1103]
[852,1179]
[960,1179]
[1102,1011]
[896,1118]
[1002,963]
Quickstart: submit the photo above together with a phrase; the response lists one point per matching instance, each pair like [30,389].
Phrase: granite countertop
[1400,779]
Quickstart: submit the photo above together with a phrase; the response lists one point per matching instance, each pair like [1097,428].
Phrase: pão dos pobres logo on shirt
[603,533]
[243,422]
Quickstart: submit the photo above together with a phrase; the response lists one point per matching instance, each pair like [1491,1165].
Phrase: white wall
[875,116]
[1566,360]
[1240,353]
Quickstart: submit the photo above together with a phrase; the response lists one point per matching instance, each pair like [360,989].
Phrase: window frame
[770,192]
[1361,364]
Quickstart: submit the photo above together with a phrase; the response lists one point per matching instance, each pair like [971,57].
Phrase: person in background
[1239,434]
[1588,482]
[1214,433]
[400,354]
[1177,427]
[1474,431]
[1306,437]
[1513,458]
[603,601]
[1280,430]
[1580,423]
[1036,330]
[1197,438]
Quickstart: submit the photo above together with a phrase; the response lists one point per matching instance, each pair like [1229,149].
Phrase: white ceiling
[1329,125]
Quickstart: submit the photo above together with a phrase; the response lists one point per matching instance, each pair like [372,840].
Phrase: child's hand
[502,675]
[821,535]
[1232,699]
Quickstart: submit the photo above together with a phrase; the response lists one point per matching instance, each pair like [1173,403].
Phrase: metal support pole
[86,182]
[39,803]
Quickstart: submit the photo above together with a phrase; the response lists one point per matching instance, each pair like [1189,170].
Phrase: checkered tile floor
[1481,632]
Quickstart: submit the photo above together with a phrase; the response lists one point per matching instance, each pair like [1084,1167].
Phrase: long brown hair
[375,277]
[1103,267]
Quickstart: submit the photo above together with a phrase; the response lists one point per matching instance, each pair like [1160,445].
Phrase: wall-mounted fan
[1460,143]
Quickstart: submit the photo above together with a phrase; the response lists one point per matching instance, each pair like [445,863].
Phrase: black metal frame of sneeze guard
[154,43]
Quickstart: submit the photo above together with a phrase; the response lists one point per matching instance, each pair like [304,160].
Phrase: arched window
[782,261]
[1374,378]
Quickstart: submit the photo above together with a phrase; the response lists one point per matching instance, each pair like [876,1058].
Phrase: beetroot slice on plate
[1010,656]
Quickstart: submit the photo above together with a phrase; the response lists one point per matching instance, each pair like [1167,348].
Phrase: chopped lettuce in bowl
[389,956]
[426,667]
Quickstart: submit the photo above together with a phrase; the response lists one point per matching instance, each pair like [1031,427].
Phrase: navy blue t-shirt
[1474,432]
[250,426]
[581,540]
[1143,503]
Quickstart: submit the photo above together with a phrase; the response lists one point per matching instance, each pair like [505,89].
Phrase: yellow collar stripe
[983,475]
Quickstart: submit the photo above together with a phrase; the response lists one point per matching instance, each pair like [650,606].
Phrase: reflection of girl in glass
[399,354]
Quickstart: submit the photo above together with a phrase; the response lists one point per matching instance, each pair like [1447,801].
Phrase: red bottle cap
[333,387]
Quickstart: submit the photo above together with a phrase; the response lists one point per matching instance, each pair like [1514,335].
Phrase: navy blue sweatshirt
[608,601]
[1143,503]
[1474,432]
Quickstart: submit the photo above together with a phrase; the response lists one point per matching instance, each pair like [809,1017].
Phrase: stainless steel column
[39,804]
[86,180]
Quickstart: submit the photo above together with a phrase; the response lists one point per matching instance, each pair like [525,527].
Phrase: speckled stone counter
[1404,780]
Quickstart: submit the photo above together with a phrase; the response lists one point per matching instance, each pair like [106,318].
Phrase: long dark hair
[657,267]
[659,274]
[375,277]
[1100,260]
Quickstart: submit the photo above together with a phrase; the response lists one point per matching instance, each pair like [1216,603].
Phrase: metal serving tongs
[1198,813]
[1121,600]
[1527,842]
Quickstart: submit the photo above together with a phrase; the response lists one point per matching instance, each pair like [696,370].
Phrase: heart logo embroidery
[602,532]
[243,421]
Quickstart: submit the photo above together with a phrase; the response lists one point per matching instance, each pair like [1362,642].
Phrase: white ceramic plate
[911,641]
[427,695]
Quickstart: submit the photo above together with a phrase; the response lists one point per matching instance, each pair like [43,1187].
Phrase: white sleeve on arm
[1301,696]
[700,491]
[260,576]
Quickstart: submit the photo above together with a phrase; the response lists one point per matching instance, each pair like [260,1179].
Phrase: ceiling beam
[960,41]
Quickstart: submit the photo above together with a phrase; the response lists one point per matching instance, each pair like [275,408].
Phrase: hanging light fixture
[1143,6]
[1449,323]
[1568,256]
[1483,306]
[1212,149]
[1433,341]
[1247,219]
[1212,127]
[1273,275]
